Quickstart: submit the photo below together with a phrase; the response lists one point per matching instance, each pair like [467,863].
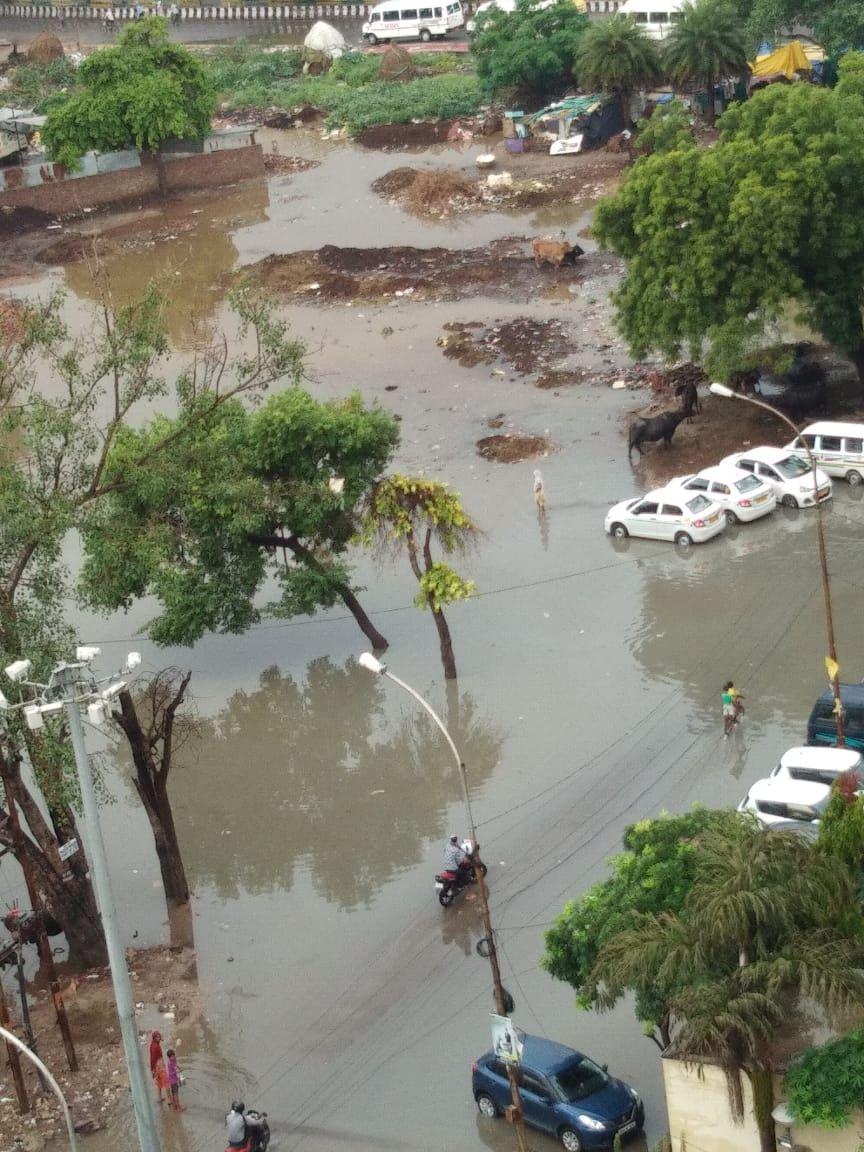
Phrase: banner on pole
[506,1042]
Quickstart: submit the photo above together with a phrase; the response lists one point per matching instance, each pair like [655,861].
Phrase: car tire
[619,532]
[731,519]
[683,539]
[371,39]
[854,479]
[487,1106]
[789,501]
[425,35]
[569,1137]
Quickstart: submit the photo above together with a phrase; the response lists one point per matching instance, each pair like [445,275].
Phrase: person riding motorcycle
[243,1130]
[457,860]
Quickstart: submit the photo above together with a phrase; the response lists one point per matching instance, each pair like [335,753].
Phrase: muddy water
[339,996]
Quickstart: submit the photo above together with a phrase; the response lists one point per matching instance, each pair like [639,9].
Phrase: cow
[653,428]
[688,394]
[555,252]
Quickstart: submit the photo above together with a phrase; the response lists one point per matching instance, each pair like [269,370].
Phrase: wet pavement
[338,995]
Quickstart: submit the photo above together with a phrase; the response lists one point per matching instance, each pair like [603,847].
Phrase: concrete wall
[697,1104]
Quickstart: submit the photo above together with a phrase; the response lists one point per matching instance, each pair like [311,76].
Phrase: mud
[512,447]
[554,378]
[422,134]
[524,344]
[274,164]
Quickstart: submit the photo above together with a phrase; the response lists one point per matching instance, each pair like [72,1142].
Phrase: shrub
[827,1082]
[428,98]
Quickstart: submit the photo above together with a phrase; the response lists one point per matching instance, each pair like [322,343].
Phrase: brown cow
[555,252]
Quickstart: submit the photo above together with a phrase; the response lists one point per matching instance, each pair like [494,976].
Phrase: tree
[719,241]
[705,45]
[836,24]
[616,56]
[137,94]
[652,875]
[241,493]
[527,55]
[825,1083]
[767,923]
[667,128]
[411,512]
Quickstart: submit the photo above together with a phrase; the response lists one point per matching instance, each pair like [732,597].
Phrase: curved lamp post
[729,394]
[12,1039]
[372,664]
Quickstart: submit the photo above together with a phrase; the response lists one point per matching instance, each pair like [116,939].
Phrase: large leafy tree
[718,242]
[836,24]
[705,45]
[139,93]
[527,55]
[616,56]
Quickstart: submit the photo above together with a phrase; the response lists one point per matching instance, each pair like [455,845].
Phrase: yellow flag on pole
[831,667]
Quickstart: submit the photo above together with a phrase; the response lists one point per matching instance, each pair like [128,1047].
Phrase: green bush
[33,83]
[240,67]
[827,1082]
[356,69]
[430,97]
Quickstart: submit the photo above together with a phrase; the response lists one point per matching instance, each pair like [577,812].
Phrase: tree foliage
[719,241]
[826,1082]
[667,128]
[704,45]
[528,55]
[836,24]
[616,56]
[139,93]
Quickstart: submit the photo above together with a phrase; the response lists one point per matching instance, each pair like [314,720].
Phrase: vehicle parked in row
[818,765]
[667,514]
[822,725]
[787,472]
[742,497]
[563,1093]
[781,804]
[406,21]
[837,446]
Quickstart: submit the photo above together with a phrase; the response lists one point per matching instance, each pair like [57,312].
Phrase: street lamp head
[113,690]
[33,716]
[133,660]
[18,670]
[87,652]
[371,664]
[96,713]
[722,390]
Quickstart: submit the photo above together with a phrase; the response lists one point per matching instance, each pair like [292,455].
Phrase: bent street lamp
[12,1039]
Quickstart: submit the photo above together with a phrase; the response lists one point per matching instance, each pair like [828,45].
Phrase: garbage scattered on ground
[524,344]
[512,447]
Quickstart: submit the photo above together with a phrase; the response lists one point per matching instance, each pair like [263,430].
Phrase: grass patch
[40,86]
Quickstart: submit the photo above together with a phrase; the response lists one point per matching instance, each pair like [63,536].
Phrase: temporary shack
[783,61]
[594,118]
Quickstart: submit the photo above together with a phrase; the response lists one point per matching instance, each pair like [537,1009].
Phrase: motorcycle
[258,1138]
[449,884]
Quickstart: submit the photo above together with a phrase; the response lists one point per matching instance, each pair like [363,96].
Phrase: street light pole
[371,664]
[729,394]
[13,1040]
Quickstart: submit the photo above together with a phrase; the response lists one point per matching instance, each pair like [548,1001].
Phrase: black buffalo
[660,427]
[688,394]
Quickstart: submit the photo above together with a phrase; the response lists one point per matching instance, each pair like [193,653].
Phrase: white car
[488,5]
[818,765]
[784,805]
[741,496]
[787,472]
[667,514]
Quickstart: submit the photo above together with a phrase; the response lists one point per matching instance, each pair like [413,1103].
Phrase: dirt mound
[391,136]
[396,64]
[303,115]
[440,192]
[395,182]
[525,345]
[44,49]
[275,164]
[17,220]
[511,447]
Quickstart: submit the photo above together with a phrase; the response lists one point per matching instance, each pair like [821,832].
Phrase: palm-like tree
[615,55]
[705,45]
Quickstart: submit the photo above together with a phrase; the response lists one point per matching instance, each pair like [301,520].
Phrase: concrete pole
[147,1135]
[13,1041]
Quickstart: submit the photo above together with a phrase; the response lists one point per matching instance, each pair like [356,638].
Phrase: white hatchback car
[784,805]
[818,765]
[741,496]
[667,514]
[787,472]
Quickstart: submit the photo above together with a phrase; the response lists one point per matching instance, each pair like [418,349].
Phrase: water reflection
[309,772]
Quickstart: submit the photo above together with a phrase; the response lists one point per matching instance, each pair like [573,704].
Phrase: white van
[654,17]
[398,21]
[838,447]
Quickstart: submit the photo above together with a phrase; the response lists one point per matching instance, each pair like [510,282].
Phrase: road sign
[68,849]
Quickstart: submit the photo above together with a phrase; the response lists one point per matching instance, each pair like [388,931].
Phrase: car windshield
[792,467]
[748,483]
[580,1079]
[698,504]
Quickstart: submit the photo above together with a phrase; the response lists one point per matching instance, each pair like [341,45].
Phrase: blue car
[563,1093]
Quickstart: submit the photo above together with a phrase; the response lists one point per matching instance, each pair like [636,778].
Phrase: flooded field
[312,811]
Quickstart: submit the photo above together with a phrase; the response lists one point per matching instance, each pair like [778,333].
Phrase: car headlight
[805,488]
[634,1094]
[590,1123]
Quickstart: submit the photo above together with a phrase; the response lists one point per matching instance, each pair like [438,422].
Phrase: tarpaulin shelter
[783,61]
[595,118]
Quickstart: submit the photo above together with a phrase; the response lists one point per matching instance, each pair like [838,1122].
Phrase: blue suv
[563,1093]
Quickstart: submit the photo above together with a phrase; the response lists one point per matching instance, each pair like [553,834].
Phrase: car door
[644,520]
[538,1101]
[670,521]
[721,494]
[771,477]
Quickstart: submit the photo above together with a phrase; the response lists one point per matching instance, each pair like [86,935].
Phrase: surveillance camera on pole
[18,670]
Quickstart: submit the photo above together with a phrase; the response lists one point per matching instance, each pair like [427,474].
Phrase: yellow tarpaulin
[786,60]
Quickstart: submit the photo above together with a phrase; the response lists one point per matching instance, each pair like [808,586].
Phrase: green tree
[826,1083]
[841,829]
[653,875]
[704,46]
[836,24]
[768,922]
[527,55]
[668,128]
[616,56]
[411,512]
[718,242]
[139,93]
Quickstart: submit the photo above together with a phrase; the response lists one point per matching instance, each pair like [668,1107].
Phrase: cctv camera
[96,713]
[133,660]
[33,716]
[18,670]
[113,690]
[87,652]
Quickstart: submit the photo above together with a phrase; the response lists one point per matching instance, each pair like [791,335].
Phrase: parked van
[398,21]
[838,447]
[822,725]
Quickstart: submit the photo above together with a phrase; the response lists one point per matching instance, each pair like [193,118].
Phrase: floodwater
[339,996]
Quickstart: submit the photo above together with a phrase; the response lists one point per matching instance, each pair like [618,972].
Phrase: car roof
[722,472]
[849,694]
[834,428]
[546,1056]
[767,453]
[783,791]
[826,759]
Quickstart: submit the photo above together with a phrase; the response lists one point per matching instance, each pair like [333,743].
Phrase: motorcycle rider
[457,860]
[243,1130]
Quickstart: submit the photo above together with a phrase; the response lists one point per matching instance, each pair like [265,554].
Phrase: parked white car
[667,514]
[787,472]
[488,5]
[783,805]
[741,496]
[818,765]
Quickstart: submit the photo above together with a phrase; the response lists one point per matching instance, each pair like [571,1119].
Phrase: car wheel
[854,479]
[789,501]
[683,539]
[425,35]
[619,532]
[731,519]
[371,39]
[569,1137]
[488,1107]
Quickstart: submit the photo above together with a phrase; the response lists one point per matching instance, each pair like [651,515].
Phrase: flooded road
[312,812]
